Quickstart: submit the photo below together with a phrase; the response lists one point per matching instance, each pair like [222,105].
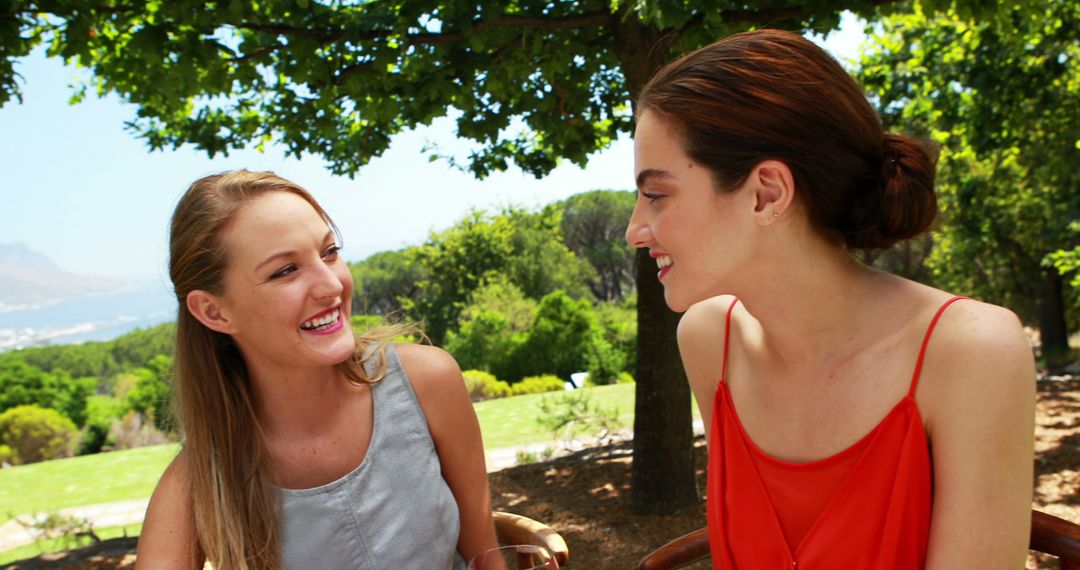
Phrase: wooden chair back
[516,529]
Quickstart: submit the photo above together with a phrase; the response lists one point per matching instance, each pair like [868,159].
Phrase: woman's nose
[637,233]
[327,284]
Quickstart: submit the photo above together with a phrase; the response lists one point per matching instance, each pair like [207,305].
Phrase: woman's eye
[651,197]
[332,251]
[283,271]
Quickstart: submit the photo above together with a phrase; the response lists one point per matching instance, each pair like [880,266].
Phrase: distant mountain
[28,277]
[19,255]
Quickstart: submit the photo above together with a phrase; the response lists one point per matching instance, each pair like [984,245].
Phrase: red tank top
[865,507]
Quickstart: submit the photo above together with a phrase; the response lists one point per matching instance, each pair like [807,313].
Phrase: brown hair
[234,501]
[770,94]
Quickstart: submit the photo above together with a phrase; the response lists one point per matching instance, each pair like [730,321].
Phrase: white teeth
[663,261]
[322,322]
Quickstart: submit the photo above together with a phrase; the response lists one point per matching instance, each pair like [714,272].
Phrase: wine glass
[514,557]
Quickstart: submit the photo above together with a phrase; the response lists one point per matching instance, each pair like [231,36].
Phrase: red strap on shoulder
[727,335]
[926,342]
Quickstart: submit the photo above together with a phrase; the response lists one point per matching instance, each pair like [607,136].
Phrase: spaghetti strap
[727,335]
[926,342]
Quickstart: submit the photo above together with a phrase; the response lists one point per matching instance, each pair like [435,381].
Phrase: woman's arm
[168,540]
[978,399]
[701,345]
[437,380]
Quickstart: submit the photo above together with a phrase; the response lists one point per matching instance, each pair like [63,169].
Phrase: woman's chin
[676,303]
[339,351]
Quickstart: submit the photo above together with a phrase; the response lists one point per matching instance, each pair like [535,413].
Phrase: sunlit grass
[89,479]
[508,422]
[122,475]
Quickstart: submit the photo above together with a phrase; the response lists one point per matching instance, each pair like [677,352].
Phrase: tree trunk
[1053,329]
[662,477]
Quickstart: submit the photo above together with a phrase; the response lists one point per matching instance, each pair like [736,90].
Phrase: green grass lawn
[121,475]
[89,479]
[508,422]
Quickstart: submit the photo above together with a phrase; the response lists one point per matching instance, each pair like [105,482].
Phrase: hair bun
[906,204]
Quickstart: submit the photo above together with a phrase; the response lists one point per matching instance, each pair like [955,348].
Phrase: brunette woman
[855,419]
[305,446]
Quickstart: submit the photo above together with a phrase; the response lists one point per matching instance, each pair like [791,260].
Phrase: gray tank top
[394,510]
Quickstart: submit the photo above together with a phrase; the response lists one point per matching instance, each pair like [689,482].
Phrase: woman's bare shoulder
[425,363]
[971,332]
[174,481]
[977,352]
[434,374]
[702,336]
[168,536]
[704,322]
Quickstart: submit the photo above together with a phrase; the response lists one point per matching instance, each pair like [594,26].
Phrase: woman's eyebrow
[651,173]
[286,254]
[279,255]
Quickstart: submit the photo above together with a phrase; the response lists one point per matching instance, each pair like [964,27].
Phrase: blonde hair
[234,501]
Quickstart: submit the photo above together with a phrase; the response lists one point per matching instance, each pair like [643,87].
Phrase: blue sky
[93,198]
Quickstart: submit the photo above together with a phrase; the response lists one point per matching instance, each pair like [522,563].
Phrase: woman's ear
[774,190]
[206,307]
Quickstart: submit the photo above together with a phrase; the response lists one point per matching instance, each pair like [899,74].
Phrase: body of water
[81,319]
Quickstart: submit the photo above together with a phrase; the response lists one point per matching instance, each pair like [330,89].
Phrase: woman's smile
[663,263]
[326,322]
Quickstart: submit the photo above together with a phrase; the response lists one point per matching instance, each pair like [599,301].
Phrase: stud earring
[776,214]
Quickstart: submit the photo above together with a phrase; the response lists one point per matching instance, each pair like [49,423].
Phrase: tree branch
[255,53]
[328,34]
[345,73]
[593,19]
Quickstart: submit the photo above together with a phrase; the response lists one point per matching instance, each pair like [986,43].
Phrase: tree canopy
[529,81]
[594,228]
[1007,184]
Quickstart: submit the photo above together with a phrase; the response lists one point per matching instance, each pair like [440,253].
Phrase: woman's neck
[298,402]
[812,302]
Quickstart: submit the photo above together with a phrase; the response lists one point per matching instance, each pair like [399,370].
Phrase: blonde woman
[304,446]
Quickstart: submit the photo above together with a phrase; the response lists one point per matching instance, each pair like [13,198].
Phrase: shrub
[621,378]
[484,386]
[151,395]
[523,457]
[101,411]
[484,341]
[538,384]
[565,338]
[492,328]
[71,531]
[22,384]
[526,457]
[619,322]
[123,383]
[134,431]
[605,364]
[574,413]
[6,454]
[37,434]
